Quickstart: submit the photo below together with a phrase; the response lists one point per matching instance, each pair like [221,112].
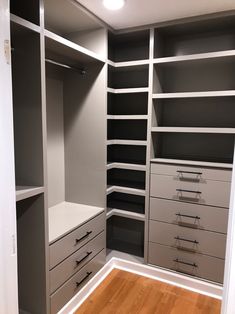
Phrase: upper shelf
[65,49]
[128,63]
[128,90]
[224,93]
[22,22]
[194,130]
[23,192]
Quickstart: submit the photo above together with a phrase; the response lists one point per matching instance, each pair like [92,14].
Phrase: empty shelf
[128,63]
[120,165]
[124,213]
[194,130]
[126,190]
[225,93]
[22,22]
[23,192]
[192,163]
[128,90]
[65,217]
[126,142]
[127,117]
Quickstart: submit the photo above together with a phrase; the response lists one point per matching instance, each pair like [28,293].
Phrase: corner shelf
[22,22]
[127,142]
[120,165]
[124,213]
[128,63]
[23,192]
[127,117]
[194,130]
[128,90]
[225,93]
[126,190]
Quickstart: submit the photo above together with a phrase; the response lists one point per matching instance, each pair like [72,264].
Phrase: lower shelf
[128,257]
[124,213]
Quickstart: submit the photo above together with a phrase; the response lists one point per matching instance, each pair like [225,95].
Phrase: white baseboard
[169,277]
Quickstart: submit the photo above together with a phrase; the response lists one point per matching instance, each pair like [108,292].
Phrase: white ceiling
[142,12]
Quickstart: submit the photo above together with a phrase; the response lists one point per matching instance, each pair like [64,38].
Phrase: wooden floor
[126,293]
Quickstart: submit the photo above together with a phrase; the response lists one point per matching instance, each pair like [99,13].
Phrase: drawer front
[76,239]
[187,239]
[208,192]
[73,285]
[192,173]
[75,262]
[189,215]
[198,265]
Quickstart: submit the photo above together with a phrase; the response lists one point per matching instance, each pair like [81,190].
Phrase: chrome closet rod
[82,71]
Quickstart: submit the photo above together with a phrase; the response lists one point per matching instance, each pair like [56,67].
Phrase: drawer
[75,262]
[70,243]
[198,265]
[207,192]
[192,173]
[74,284]
[187,239]
[189,215]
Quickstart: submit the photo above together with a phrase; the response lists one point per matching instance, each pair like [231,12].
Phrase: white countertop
[65,217]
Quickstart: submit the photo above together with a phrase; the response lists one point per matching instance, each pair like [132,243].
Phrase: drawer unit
[74,284]
[187,239]
[207,192]
[189,215]
[70,243]
[198,265]
[75,262]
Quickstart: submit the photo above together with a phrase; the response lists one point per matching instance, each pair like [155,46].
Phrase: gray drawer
[198,265]
[76,239]
[192,173]
[205,192]
[73,285]
[194,240]
[75,262]
[189,215]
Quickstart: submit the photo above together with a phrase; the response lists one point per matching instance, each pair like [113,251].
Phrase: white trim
[155,273]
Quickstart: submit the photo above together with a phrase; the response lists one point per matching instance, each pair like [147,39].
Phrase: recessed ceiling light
[113,4]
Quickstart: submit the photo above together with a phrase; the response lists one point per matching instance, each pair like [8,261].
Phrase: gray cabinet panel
[182,238]
[189,215]
[74,240]
[198,265]
[75,262]
[73,285]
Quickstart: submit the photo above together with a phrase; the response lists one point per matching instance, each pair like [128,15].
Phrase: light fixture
[113,4]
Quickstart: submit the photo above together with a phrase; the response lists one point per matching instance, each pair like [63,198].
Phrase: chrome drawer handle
[188,216]
[80,282]
[185,263]
[83,237]
[190,172]
[186,240]
[82,259]
[188,191]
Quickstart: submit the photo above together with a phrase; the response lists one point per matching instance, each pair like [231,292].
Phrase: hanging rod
[82,71]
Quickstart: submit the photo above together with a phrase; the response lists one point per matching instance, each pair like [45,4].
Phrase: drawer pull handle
[85,257]
[188,191]
[80,282]
[186,240]
[190,172]
[83,237]
[188,216]
[185,263]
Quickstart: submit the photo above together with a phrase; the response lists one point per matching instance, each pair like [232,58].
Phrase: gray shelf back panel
[127,202]
[128,77]
[128,104]
[27,107]
[128,47]
[125,235]
[31,254]
[195,37]
[126,178]
[127,130]
[127,154]
[200,112]
[28,10]
[192,146]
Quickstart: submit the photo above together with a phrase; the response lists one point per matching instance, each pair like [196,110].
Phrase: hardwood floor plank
[126,293]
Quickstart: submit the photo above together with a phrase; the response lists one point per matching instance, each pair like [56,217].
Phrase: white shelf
[226,93]
[65,49]
[65,217]
[22,22]
[192,163]
[23,192]
[120,165]
[128,63]
[126,190]
[127,142]
[127,117]
[128,90]
[126,214]
[209,56]
[194,130]
[124,256]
